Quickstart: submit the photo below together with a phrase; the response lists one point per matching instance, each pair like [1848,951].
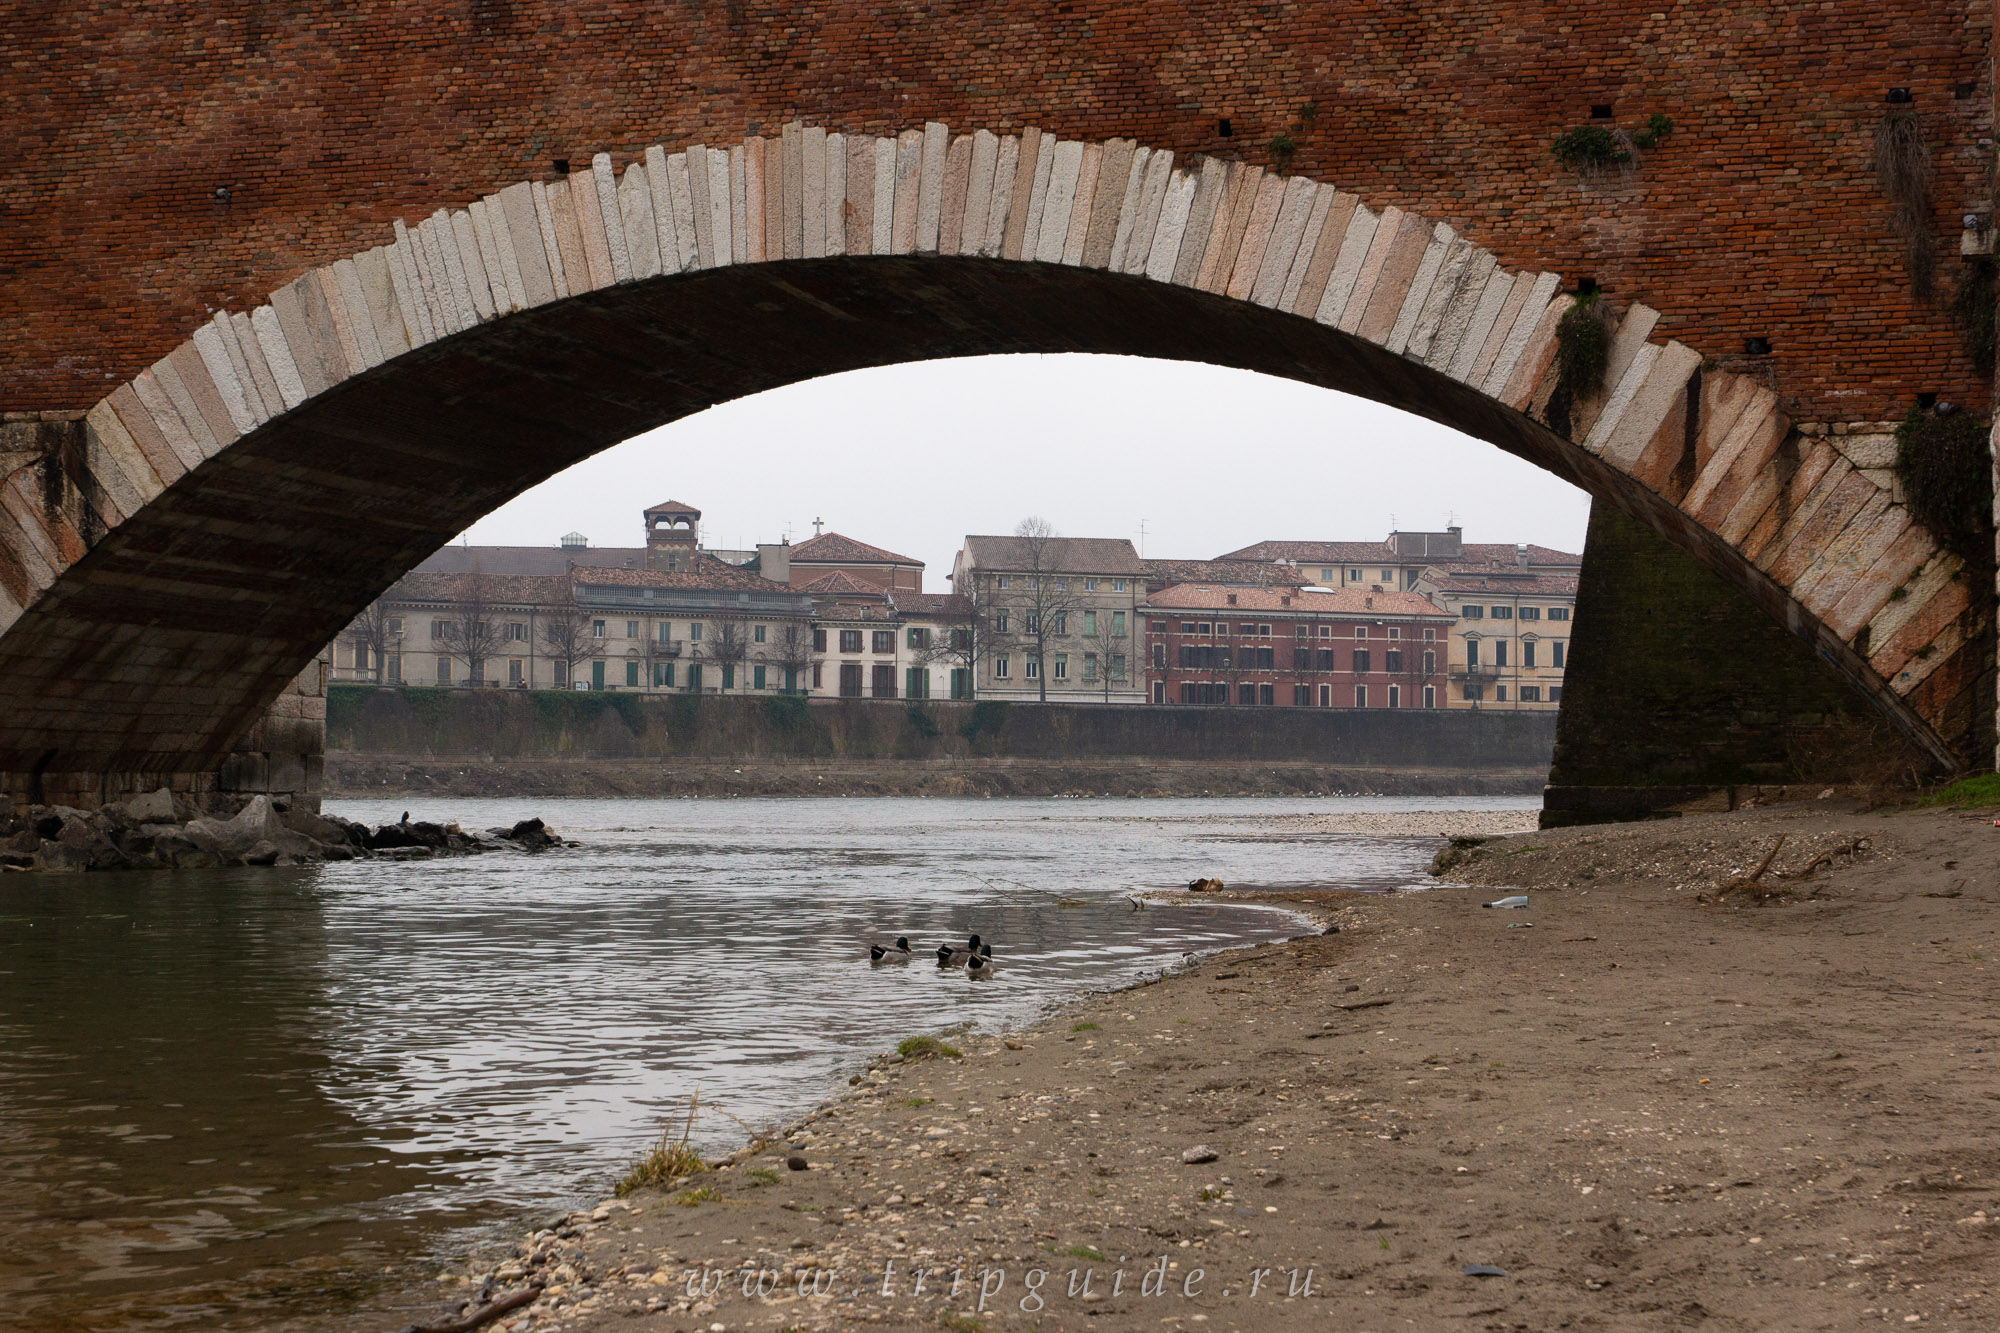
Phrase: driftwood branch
[472,1319]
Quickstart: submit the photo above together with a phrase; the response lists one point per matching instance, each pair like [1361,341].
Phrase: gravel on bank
[1643,1106]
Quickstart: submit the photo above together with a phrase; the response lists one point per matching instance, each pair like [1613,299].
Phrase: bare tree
[795,656]
[1109,650]
[370,630]
[565,629]
[1039,612]
[729,643]
[473,637]
[968,634]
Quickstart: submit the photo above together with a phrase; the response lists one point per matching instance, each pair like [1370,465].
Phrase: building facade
[1299,647]
[1509,634]
[1053,618]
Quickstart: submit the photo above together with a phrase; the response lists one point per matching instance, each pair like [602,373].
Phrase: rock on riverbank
[163,831]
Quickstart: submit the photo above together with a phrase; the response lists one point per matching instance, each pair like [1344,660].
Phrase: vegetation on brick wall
[1284,145]
[1903,170]
[1583,344]
[1973,310]
[1946,467]
[1594,149]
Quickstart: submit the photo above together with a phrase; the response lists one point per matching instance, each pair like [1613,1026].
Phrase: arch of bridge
[239,500]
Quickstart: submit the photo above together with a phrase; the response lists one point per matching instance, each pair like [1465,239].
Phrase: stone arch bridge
[296,294]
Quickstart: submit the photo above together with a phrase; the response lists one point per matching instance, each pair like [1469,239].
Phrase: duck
[899,952]
[979,966]
[952,956]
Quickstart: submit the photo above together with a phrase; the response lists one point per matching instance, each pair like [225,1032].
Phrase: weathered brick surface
[1759,215]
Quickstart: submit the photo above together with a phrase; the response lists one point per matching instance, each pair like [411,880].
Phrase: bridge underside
[169,638]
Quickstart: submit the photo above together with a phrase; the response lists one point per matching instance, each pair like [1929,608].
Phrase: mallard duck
[979,966]
[899,952]
[950,955]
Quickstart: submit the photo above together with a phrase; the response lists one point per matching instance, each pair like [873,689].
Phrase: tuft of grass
[925,1048]
[1084,1027]
[1383,1241]
[1967,793]
[697,1196]
[919,1101]
[669,1159]
[760,1176]
[960,1323]
[1085,1252]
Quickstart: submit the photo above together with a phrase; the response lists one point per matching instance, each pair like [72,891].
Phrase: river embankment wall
[597,743]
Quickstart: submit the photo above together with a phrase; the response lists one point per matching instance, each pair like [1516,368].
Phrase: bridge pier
[1681,692]
[282,755]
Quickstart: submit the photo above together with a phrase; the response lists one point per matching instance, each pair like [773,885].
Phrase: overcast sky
[1190,460]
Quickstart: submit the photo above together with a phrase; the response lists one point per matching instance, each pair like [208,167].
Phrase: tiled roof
[529,559]
[494,589]
[708,572]
[1062,555]
[930,603]
[1214,598]
[1242,573]
[834,612]
[1503,553]
[841,583]
[1308,553]
[1508,581]
[675,506]
[830,548]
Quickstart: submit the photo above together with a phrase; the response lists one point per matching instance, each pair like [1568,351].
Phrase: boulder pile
[164,831]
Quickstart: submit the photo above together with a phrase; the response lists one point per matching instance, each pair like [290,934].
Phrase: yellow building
[1510,641]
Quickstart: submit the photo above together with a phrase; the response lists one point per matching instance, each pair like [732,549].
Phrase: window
[1159,691]
[1204,629]
[396,626]
[1000,623]
[1264,657]
[1360,696]
[444,671]
[1032,668]
[597,675]
[1263,631]
[517,632]
[631,629]
[440,629]
[1532,613]
[1117,666]
[1430,636]
[663,675]
[1060,585]
[757,677]
[1527,652]
[728,676]
[918,637]
[1090,585]
[1558,613]
[1031,623]
[1388,576]
[596,629]
[1326,659]
[1117,624]
[1001,581]
[1159,657]
[1361,661]
[1246,694]
[1392,661]
[1499,652]
[632,672]
[394,675]
[1354,576]
[694,631]
[666,631]
[1264,691]
[1472,690]
[1360,631]
[1556,653]
[816,675]
[1326,696]
[1325,574]
[1118,585]
[882,641]
[819,642]
[850,641]
[1430,696]
[1301,630]
[1090,624]
[1395,633]
[1503,613]
[1395,696]
[562,675]
[961,683]
[1531,694]
[1326,631]
[850,680]
[1430,662]
[1500,694]
[1246,630]
[1302,659]
[1472,612]
[1062,623]
[1472,652]
[1000,666]
[757,634]
[882,681]
[1090,666]
[1555,694]
[917,683]
[1186,628]
[1187,692]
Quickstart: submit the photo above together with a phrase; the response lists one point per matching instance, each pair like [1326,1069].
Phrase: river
[263,1098]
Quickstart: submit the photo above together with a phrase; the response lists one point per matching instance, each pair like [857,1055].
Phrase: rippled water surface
[244,1098]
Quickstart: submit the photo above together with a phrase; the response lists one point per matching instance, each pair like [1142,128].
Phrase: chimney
[1521,554]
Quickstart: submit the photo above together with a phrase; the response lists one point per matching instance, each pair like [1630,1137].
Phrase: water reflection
[232,1098]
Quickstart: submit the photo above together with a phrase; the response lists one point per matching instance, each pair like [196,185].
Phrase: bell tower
[673,535]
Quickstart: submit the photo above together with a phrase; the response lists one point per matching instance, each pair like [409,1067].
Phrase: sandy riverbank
[1649,1106]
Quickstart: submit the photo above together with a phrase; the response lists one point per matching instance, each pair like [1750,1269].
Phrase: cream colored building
[1510,642]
